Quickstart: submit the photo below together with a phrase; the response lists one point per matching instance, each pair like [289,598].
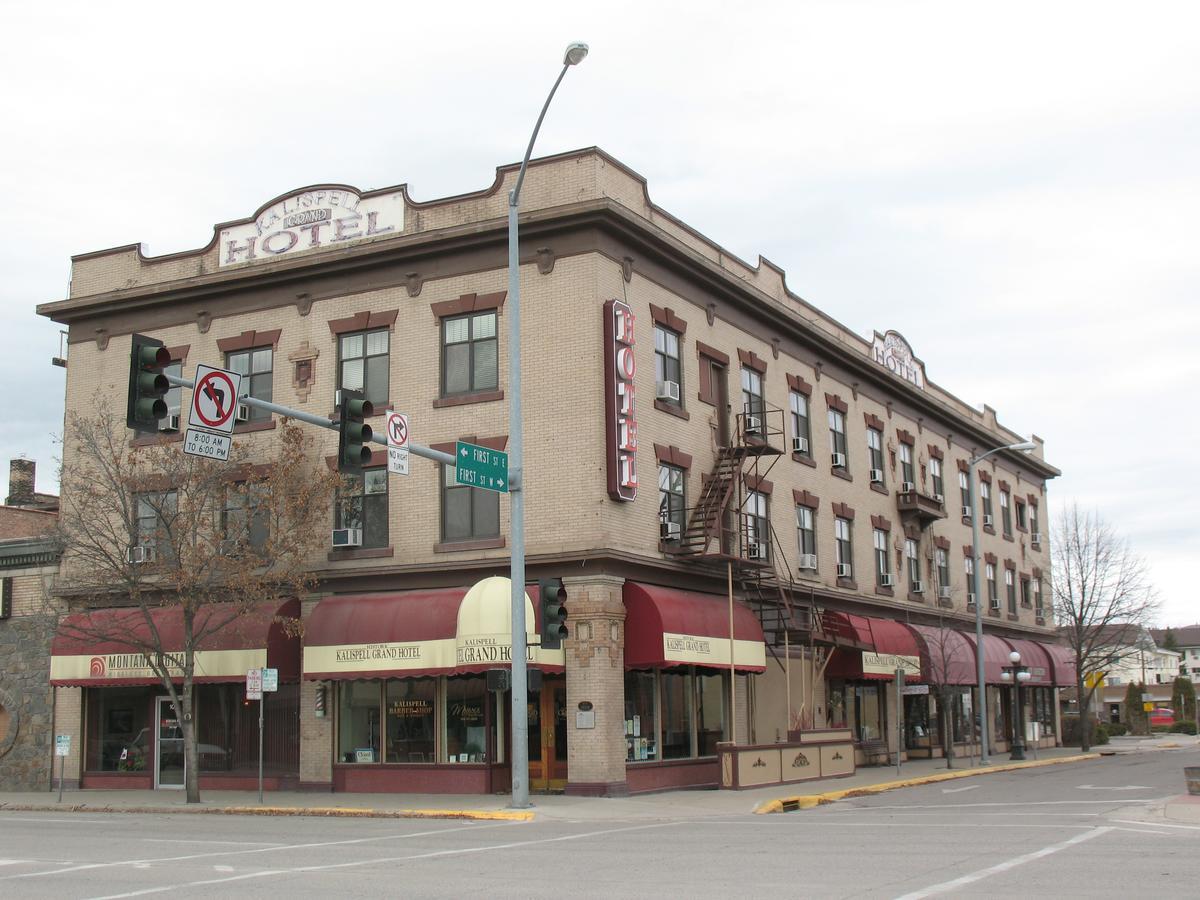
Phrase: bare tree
[946,672]
[147,528]
[1103,599]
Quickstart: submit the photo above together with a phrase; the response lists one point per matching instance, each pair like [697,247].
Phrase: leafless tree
[945,671]
[149,527]
[1102,597]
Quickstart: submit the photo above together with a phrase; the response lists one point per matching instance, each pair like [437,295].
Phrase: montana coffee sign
[311,219]
[620,400]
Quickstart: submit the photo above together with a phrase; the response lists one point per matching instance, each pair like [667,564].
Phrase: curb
[316,811]
[808,801]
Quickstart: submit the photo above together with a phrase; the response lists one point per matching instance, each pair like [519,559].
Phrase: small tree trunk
[945,723]
[191,764]
[1085,731]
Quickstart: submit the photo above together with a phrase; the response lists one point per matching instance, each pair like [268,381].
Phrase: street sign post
[62,749]
[270,680]
[481,467]
[397,438]
[254,684]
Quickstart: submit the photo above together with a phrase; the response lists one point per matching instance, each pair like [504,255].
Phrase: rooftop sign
[892,352]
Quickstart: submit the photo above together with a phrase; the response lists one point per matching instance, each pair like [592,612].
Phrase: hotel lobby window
[466,733]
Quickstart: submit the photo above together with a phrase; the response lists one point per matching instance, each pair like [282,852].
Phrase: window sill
[672,409]
[149,440]
[467,399]
[1037,547]
[945,604]
[804,460]
[842,474]
[1013,617]
[879,488]
[988,529]
[1009,538]
[847,583]
[370,553]
[994,613]
[1040,620]
[478,544]
[916,598]
[966,520]
[260,425]
[884,591]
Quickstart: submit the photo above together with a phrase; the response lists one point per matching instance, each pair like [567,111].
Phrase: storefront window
[710,713]
[676,716]
[227,729]
[920,729]
[358,722]
[641,725]
[466,736]
[1043,708]
[868,712]
[836,703]
[409,718]
[118,730]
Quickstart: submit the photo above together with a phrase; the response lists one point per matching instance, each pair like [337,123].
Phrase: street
[1090,829]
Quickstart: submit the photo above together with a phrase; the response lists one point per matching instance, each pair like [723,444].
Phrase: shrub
[1101,736]
[1183,698]
[1072,738]
[1184,727]
[1162,729]
[1116,729]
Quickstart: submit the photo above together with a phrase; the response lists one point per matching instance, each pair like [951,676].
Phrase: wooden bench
[876,753]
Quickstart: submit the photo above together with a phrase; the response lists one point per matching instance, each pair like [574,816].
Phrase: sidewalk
[668,805]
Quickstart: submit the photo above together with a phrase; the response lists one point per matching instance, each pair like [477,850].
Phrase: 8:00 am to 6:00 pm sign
[207,444]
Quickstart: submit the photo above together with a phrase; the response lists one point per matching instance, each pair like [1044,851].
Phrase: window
[364,364]
[358,722]
[907,472]
[468,512]
[758,526]
[676,705]
[470,354]
[805,530]
[1026,594]
[255,368]
[875,454]
[1033,520]
[964,491]
[666,363]
[993,593]
[466,730]
[883,568]
[118,720]
[801,436]
[843,546]
[1005,514]
[752,393]
[972,584]
[985,499]
[1010,590]
[672,507]
[156,522]
[837,436]
[245,520]
[914,562]
[677,714]
[710,712]
[363,504]
[1038,610]
[935,475]
[6,597]
[943,569]
[641,723]
[1022,515]
[173,397]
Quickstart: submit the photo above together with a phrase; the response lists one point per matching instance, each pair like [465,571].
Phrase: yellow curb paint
[808,801]
[331,811]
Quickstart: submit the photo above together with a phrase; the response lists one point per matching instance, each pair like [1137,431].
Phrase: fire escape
[723,529]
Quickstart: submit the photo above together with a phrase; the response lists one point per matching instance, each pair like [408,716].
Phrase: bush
[1184,727]
[1116,729]
[1161,729]
[1072,738]
[1101,736]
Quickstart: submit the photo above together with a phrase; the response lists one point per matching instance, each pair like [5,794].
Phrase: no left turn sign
[215,399]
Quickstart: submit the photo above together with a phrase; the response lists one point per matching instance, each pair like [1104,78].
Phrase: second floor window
[470,354]
[914,562]
[972,585]
[1033,519]
[156,512]
[1005,513]
[364,364]
[758,526]
[362,503]
[843,546]
[837,436]
[671,501]
[255,368]
[805,531]
[943,569]
[985,499]
[883,566]
[964,493]
[1022,515]
[875,454]
[1036,587]
[993,593]
[468,513]
[801,435]
[245,520]
[907,473]
[1026,600]
[1010,590]
[752,394]
[935,475]
[666,363]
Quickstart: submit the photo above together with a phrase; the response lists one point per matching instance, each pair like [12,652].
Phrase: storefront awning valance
[1036,659]
[947,657]
[412,633]
[889,646]
[669,627]
[1062,660]
[107,647]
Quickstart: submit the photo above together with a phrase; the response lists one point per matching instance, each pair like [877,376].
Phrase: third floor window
[255,368]
[985,499]
[752,393]
[470,354]
[1005,513]
[801,435]
[935,475]
[837,436]
[907,473]
[806,531]
[667,369]
[364,364]
[875,454]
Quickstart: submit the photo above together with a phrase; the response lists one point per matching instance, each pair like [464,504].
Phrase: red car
[1162,715]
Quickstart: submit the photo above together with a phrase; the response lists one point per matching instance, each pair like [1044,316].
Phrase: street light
[520,711]
[977,558]
[1016,674]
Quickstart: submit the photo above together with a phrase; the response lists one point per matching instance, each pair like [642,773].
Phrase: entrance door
[168,760]
[548,736]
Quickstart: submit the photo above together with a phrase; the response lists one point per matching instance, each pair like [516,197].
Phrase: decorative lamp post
[1016,674]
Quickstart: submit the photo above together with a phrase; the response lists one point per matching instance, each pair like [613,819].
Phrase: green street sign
[481,467]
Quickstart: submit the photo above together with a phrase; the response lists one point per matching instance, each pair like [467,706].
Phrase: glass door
[548,736]
[168,760]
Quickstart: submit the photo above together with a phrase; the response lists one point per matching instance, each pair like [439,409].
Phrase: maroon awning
[846,629]
[1062,660]
[1036,659]
[106,647]
[669,627]
[947,657]
[890,645]
[995,657]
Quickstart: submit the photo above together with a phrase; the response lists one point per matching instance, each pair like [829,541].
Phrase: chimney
[21,474]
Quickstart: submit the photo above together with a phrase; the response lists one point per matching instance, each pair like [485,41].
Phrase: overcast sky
[1014,187]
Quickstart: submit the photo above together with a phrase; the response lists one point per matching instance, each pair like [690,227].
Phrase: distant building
[1186,640]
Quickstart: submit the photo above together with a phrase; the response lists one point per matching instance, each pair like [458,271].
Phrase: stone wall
[26,723]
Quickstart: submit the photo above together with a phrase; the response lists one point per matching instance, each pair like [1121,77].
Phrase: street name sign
[481,467]
[207,444]
[397,438]
[214,399]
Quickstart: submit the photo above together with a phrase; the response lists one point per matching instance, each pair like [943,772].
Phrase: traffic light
[554,612]
[353,433]
[148,384]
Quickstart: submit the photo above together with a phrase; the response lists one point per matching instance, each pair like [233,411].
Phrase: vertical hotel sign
[620,400]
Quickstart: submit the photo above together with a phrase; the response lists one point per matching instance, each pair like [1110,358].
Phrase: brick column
[316,734]
[595,654]
[68,720]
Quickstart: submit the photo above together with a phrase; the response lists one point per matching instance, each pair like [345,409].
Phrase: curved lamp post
[977,558]
[520,711]
[1017,675]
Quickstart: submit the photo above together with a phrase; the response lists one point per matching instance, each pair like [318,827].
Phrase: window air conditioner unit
[885,579]
[966,512]
[943,593]
[171,423]
[987,521]
[939,498]
[808,561]
[839,460]
[799,445]
[669,531]
[347,537]
[918,587]
[844,570]
[668,390]
[970,599]
[141,553]
[756,551]
[753,424]
[1036,537]
[907,487]
[995,604]
[243,413]
[877,476]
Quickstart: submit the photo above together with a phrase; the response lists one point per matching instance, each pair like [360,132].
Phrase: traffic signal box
[148,383]
[353,433]
[554,612]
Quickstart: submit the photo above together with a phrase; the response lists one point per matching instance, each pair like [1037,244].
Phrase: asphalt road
[1083,830]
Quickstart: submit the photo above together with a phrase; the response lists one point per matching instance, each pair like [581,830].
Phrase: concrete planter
[1192,775]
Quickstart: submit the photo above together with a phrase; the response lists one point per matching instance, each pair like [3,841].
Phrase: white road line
[198,841]
[1124,801]
[167,859]
[1005,866]
[969,787]
[159,890]
[13,862]
[891,823]
[1157,824]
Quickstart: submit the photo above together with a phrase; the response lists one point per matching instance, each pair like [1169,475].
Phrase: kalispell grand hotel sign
[892,352]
